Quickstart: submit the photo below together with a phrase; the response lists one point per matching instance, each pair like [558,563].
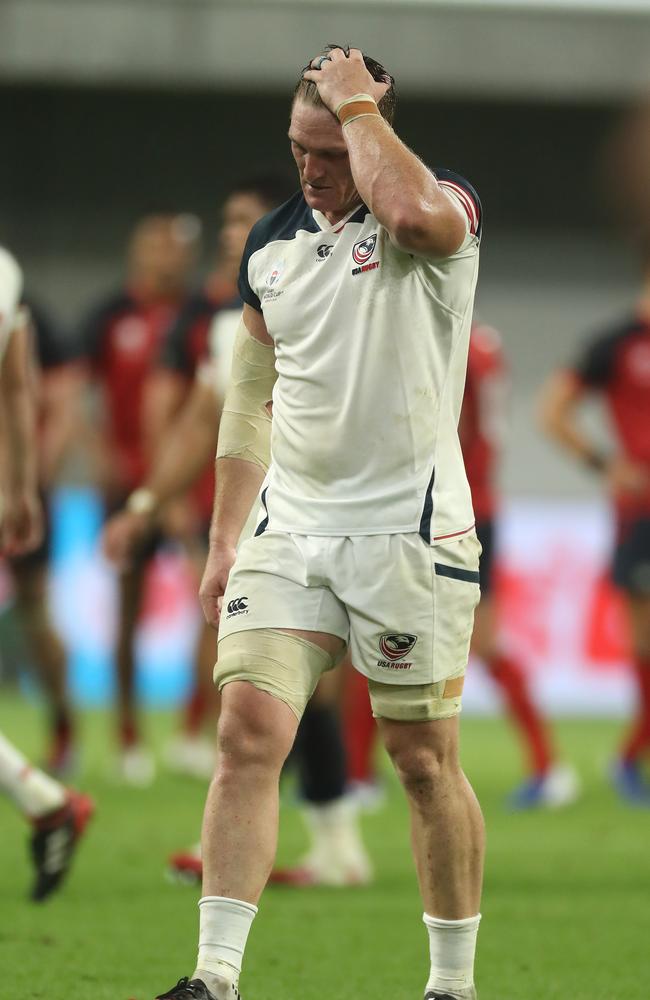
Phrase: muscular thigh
[411,609]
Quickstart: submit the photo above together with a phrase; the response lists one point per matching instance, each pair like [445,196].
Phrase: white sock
[336,850]
[34,792]
[223,930]
[452,945]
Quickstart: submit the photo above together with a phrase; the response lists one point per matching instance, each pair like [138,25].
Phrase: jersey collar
[359,210]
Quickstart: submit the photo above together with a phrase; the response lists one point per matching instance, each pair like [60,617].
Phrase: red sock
[195,712]
[359,729]
[523,712]
[638,740]
[129,734]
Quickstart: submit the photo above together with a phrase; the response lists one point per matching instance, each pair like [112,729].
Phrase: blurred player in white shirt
[58,815]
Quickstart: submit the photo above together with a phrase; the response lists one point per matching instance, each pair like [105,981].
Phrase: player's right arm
[243,453]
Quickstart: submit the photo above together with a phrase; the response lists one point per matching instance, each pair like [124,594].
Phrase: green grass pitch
[566,912]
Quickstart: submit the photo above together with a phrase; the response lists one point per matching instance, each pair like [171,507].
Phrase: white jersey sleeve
[11,285]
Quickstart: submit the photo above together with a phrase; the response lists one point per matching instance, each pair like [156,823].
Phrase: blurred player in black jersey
[120,341]
[56,379]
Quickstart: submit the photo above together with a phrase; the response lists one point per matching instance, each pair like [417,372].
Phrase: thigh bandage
[417,702]
[245,428]
[285,666]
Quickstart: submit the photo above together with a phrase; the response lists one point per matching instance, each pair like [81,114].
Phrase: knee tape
[285,666]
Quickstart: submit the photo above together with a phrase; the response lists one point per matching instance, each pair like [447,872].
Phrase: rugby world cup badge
[274,276]
[396,645]
[364,249]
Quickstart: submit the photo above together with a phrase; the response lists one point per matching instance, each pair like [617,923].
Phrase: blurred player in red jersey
[185,346]
[56,387]
[120,341]
[615,366]
[481,433]
[58,815]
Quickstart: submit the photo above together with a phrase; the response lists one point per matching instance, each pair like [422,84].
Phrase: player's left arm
[402,193]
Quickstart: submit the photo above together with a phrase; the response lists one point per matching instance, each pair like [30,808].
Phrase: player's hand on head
[213,585]
[339,75]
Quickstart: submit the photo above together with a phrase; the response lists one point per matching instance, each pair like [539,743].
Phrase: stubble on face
[321,155]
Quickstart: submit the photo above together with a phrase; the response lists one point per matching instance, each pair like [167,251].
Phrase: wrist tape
[358,106]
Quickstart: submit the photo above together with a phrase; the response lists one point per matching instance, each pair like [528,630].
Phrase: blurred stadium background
[116,108]
[110,109]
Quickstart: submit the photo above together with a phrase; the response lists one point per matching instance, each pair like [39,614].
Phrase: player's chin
[319,198]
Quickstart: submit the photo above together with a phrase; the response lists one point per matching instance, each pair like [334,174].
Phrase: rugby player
[120,342]
[614,366]
[358,301]
[58,815]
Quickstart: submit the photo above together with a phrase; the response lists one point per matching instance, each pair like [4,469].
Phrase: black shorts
[631,565]
[485,534]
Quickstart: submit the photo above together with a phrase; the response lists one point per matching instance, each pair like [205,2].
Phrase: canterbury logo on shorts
[238,606]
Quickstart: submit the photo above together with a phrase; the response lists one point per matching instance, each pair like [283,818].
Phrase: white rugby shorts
[404,607]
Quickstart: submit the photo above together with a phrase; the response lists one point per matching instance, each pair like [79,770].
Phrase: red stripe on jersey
[467,201]
[454,534]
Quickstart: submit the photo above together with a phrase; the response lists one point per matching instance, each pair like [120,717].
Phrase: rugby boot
[630,783]
[558,787]
[195,989]
[185,867]
[54,843]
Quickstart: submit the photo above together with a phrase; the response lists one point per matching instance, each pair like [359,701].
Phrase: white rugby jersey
[371,350]
[11,283]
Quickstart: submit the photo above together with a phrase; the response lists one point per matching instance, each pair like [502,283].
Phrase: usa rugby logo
[396,645]
[364,249]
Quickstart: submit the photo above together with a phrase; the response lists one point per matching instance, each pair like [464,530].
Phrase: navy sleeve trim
[281,224]
[466,194]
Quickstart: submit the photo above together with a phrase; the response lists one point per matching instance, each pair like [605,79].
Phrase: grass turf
[565,912]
